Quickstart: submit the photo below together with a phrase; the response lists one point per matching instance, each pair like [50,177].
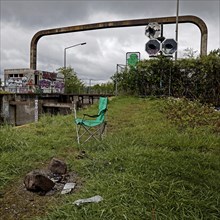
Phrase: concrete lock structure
[19,109]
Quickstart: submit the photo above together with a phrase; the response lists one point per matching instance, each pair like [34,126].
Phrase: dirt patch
[18,203]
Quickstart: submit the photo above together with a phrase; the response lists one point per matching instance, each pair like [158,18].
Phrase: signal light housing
[153,47]
[169,46]
[153,30]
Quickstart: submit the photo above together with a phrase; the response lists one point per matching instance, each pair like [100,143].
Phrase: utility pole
[122,66]
[177,21]
[116,83]
[90,85]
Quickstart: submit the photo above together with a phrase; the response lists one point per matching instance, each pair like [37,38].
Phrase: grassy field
[155,163]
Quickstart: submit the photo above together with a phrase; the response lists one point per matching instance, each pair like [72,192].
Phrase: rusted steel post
[117,24]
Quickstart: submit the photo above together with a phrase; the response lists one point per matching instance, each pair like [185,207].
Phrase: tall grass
[147,167]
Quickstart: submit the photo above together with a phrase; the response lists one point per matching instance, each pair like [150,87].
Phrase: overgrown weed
[186,113]
[146,167]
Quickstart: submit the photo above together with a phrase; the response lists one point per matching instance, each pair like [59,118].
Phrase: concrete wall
[22,112]
[19,109]
[4,107]
[16,109]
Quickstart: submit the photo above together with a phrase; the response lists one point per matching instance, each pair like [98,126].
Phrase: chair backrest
[103,103]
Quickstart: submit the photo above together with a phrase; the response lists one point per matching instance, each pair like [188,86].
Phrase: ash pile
[52,180]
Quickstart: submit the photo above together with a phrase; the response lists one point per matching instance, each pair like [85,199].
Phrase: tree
[215,52]
[104,88]
[192,78]
[72,83]
[190,53]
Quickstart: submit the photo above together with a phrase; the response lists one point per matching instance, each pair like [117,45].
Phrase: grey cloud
[157,8]
[105,48]
[46,14]
[42,14]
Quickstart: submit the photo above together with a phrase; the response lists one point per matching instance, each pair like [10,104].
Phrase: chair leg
[103,130]
[96,135]
[92,134]
[77,134]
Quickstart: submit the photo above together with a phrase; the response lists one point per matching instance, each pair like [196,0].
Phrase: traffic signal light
[152,30]
[157,43]
[169,46]
[152,47]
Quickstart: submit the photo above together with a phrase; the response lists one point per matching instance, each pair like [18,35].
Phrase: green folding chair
[92,128]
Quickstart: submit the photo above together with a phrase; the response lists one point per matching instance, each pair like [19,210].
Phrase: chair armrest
[91,116]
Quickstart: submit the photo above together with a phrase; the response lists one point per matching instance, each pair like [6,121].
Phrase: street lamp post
[69,48]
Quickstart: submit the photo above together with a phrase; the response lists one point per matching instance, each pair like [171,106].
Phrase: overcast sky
[20,20]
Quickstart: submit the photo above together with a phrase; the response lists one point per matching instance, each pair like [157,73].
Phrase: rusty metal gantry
[117,24]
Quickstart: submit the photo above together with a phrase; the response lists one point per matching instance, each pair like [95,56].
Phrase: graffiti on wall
[17,81]
[44,84]
[49,82]
[21,84]
[49,76]
[59,86]
[46,75]
[34,81]
[52,86]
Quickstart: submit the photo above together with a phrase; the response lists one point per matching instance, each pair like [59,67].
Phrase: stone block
[37,180]
[57,166]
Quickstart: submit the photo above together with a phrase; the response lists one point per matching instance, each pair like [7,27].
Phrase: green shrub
[192,78]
